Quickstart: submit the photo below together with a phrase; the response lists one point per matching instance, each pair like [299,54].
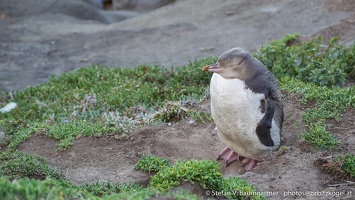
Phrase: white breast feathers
[236,111]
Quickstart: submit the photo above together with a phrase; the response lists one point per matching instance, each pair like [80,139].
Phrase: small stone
[8,107]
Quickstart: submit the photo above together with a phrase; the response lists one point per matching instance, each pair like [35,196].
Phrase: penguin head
[229,63]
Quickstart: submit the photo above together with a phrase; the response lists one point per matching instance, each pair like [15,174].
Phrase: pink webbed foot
[228,156]
[249,164]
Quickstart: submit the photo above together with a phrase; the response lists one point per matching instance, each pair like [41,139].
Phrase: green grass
[89,92]
[101,101]
[329,102]
[206,173]
[319,137]
[348,166]
[342,167]
[21,165]
[110,102]
[53,189]
[16,168]
[24,176]
[33,189]
[151,164]
[325,64]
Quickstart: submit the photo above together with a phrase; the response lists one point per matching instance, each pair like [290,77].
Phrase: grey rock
[42,38]
[139,5]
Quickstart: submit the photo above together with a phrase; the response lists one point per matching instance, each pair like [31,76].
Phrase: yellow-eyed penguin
[246,107]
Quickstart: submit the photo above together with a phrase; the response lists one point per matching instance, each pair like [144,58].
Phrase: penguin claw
[228,156]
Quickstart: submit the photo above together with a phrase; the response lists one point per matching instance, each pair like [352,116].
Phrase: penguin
[246,107]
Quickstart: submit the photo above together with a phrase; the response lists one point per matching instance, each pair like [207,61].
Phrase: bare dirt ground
[289,175]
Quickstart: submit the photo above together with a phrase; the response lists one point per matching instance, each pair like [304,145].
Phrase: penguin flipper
[264,126]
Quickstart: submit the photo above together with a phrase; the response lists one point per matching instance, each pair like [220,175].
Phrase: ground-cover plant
[64,132]
[342,167]
[24,176]
[98,100]
[54,189]
[98,89]
[325,64]
[18,165]
[151,164]
[206,173]
[330,102]
[319,137]
[101,189]
[110,124]
[33,189]
[349,165]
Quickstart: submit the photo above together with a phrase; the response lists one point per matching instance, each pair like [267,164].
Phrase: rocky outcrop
[48,37]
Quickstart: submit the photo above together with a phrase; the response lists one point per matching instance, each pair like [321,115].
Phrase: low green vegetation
[329,104]
[90,92]
[110,102]
[24,176]
[342,167]
[348,166]
[101,101]
[33,189]
[151,164]
[313,61]
[204,172]
[63,132]
[53,189]
[319,137]
[19,165]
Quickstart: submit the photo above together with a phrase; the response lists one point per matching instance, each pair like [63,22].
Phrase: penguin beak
[213,68]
